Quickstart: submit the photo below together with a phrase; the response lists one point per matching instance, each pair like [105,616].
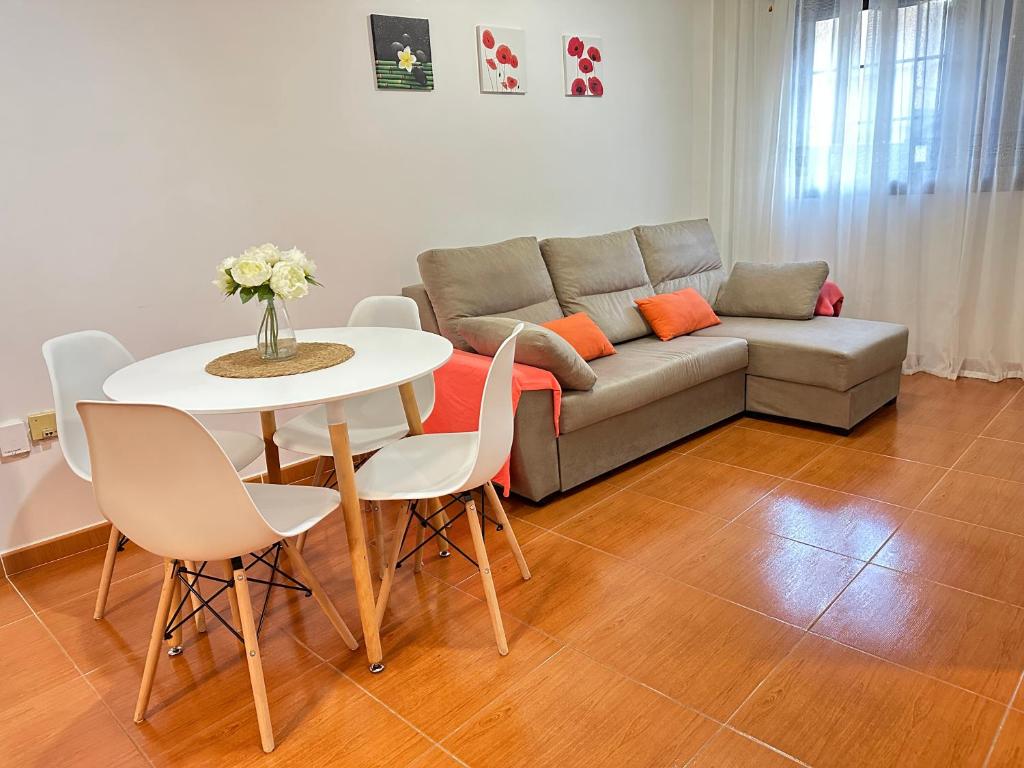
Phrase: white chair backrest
[385,408]
[496,415]
[165,483]
[78,364]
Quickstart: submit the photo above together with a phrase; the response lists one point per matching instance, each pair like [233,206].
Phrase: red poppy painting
[501,54]
[582,57]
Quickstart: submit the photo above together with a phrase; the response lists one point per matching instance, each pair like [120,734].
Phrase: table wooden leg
[355,532]
[268,422]
[412,418]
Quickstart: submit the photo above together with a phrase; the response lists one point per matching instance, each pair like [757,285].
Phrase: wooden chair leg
[228,572]
[163,608]
[485,576]
[305,574]
[300,541]
[389,567]
[107,573]
[378,536]
[442,521]
[506,526]
[252,656]
[318,473]
[177,595]
[197,604]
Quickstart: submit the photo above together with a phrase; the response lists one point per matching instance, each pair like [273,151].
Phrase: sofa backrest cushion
[600,275]
[680,255]
[535,345]
[506,279]
[782,291]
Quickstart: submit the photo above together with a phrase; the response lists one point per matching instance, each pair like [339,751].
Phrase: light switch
[14,438]
[42,425]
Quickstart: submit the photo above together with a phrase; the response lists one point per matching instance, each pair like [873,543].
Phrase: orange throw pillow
[583,335]
[675,314]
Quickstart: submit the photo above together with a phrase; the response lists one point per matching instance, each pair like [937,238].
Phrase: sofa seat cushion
[646,370]
[506,279]
[600,275]
[832,352]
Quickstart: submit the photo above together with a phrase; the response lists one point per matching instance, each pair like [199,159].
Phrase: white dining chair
[78,364]
[209,517]
[374,420]
[422,467]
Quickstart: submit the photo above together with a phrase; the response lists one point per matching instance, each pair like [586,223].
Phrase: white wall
[143,141]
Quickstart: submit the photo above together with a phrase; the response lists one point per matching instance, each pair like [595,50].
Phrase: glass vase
[276,339]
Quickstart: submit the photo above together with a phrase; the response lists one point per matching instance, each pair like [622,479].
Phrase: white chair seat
[308,434]
[419,467]
[292,509]
[241,447]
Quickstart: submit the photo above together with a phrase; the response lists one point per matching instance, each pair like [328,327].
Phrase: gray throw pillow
[783,291]
[536,346]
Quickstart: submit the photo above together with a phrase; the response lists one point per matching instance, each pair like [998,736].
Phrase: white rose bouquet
[268,273]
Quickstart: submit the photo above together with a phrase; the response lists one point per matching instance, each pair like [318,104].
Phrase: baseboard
[68,544]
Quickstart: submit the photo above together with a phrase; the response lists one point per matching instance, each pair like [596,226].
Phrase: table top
[384,358]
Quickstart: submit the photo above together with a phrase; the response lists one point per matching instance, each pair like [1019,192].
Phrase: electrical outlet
[14,438]
[42,425]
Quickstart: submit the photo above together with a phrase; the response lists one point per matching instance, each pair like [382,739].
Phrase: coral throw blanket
[830,300]
[459,388]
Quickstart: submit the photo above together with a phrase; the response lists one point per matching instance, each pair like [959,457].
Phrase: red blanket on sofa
[459,388]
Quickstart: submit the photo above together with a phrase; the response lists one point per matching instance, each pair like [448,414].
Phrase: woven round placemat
[311,356]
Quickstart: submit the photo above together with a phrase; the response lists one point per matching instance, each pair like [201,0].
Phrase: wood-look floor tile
[561,507]
[980,560]
[575,712]
[47,585]
[963,391]
[707,486]
[729,749]
[978,499]
[891,436]
[208,680]
[1008,425]
[789,428]
[896,481]
[690,442]
[964,639]
[65,725]
[31,662]
[995,458]
[302,617]
[454,569]
[1009,747]
[125,628]
[700,650]
[782,578]
[945,414]
[12,607]
[573,590]
[629,474]
[436,758]
[1017,404]
[443,665]
[641,528]
[760,451]
[831,706]
[319,718]
[847,524]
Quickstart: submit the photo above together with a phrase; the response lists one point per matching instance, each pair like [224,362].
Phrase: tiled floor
[764,594]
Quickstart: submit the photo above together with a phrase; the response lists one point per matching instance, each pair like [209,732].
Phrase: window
[867,89]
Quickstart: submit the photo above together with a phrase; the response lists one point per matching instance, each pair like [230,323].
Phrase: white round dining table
[384,358]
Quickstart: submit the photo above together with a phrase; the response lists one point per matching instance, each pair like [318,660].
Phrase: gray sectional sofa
[832,371]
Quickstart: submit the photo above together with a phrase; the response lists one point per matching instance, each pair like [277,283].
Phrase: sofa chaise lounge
[827,370]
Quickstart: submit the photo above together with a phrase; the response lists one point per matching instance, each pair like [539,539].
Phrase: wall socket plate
[14,438]
[42,425]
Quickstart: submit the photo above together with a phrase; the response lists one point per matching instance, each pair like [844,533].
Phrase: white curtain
[887,138]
